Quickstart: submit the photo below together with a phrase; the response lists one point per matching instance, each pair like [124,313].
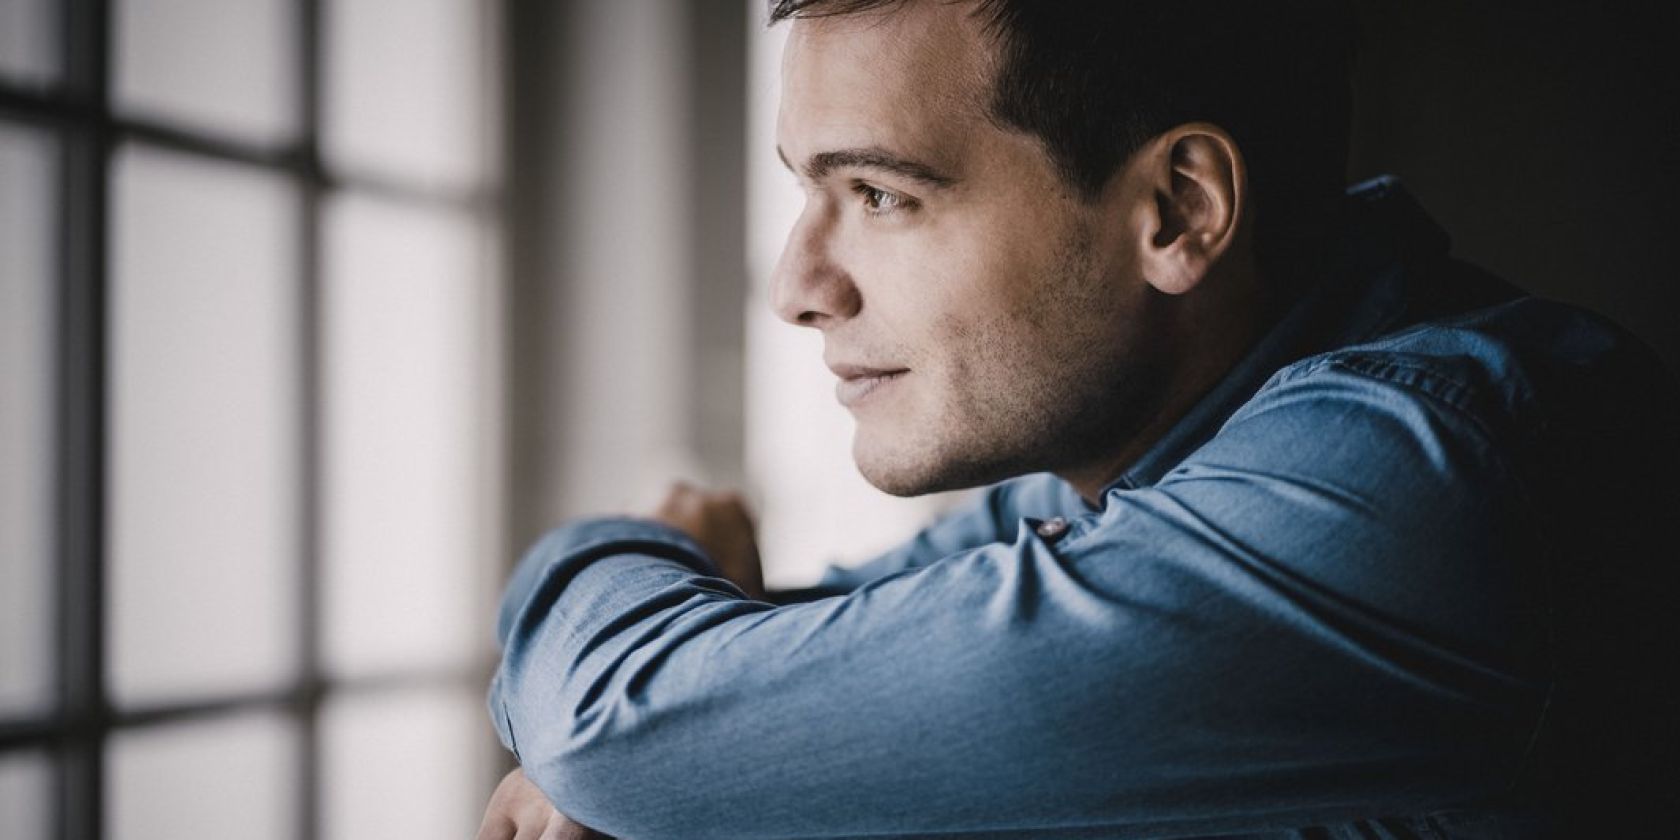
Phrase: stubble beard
[1076,397]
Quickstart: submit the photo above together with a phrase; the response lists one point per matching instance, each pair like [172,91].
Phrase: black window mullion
[312,186]
[82,400]
[80,113]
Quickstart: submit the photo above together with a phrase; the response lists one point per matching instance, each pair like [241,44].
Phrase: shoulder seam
[1438,387]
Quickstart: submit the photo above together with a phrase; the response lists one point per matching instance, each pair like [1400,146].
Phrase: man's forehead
[913,77]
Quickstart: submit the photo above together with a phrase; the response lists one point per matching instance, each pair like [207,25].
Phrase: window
[250,516]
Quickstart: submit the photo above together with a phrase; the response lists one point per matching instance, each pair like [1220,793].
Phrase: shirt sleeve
[992,517]
[1318,616]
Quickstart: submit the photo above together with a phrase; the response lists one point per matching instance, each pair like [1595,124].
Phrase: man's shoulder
[1525,365]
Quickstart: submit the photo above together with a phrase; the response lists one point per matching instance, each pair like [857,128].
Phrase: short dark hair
[1095,80]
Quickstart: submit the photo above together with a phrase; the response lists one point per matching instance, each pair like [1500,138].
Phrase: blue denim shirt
[1384,580]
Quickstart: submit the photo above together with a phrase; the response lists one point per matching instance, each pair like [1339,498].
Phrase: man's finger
[559,827]
[496,827]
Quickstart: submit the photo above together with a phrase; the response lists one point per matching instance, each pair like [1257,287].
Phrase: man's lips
[849,371]
[859,381]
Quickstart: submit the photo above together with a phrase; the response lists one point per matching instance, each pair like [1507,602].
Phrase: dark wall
[1543,136]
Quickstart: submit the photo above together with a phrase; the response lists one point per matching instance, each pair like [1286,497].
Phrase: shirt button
[1052,528]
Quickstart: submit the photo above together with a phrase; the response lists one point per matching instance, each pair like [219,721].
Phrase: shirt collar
[1362,293]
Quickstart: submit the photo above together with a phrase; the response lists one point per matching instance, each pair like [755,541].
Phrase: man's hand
[518,810]
[719,521]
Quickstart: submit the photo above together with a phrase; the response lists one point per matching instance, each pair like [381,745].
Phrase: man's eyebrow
[820,164]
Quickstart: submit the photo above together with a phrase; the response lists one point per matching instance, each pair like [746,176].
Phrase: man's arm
[1315,617]
[992,517]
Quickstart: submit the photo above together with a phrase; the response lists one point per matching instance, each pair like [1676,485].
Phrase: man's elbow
[580,751]
[588,780]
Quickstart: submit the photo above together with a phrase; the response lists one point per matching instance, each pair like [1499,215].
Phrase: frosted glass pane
[29,41]
[403,350]
[228,777]
[406,90]
[28,207]
[209,64]
[442,741]
[204,428]
[25,797]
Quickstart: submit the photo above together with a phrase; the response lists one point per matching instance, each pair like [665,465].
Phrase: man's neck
[1213,346]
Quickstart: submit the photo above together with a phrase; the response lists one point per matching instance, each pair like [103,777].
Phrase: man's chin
[890,472]
[894,484]
[904,475]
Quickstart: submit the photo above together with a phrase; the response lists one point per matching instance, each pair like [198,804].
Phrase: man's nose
[808,287]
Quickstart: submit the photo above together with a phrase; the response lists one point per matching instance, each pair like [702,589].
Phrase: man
[1297,528]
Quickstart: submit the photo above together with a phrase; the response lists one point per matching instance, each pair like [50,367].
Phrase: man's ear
[1192,183]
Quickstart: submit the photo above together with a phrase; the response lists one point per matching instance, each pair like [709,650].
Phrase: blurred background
[314,312]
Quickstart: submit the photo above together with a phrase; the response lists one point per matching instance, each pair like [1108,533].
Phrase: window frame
[76,114]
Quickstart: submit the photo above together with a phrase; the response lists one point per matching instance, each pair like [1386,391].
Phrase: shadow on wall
[1541,137]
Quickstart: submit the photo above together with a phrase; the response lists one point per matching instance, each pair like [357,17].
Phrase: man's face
[984,320]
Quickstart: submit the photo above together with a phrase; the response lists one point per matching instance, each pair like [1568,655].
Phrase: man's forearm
[1176,644]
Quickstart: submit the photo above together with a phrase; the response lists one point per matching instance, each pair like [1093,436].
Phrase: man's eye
[879,202]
